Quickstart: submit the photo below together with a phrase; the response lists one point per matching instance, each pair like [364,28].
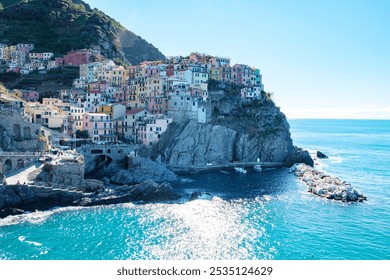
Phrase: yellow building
[105,109]
[116,77]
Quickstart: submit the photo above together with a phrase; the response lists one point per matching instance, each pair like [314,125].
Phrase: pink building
[26,48]
[244,73]
[198,92]
[31,96]
[170,70]
[158,104]
[151,71]
[74,58]
[99,127]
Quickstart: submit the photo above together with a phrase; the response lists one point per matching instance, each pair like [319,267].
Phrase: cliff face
[237,132]
[71,25]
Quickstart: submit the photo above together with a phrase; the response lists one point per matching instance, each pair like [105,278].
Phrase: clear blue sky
[321,59]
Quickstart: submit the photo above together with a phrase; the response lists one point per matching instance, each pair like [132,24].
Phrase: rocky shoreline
[323,185]
[17,199]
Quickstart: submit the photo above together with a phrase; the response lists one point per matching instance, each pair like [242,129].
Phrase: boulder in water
[321,155]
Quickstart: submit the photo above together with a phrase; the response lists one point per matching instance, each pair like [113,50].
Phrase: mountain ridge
[69,25]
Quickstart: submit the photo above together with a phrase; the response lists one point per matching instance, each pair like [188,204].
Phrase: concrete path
[21,175]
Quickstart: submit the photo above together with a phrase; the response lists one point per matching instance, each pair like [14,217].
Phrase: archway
[16,130]
[27,132]
[8,165]
[20,163]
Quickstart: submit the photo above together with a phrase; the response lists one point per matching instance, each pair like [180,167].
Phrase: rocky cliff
[19,198]
[32,198]
[142,169]
[2,175]
[238,131]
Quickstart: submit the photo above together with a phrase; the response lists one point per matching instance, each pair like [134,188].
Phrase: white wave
[37,217]
[335,159]
[266,197]
[34,243]
[23,239]
[186,180]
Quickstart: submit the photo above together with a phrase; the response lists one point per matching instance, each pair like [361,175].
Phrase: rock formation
[17,199]
[238,131]
[323,185]
[321,155]
[2,175]
[142,169]
[33,198]
[147,191]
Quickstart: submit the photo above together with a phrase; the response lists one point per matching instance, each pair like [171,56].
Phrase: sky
[320,59]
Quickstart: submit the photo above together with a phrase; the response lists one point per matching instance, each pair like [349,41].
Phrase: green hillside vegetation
[59,26]
[57,78]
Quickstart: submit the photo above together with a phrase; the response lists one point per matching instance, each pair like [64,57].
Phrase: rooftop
[134,111]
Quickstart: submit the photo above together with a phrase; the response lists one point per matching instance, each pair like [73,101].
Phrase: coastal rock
[298,155]
[10,211]
[191,143]
[2,175]
[195,195]
[30,198]
[142,169]
[321,155]
[236,130]
[326,186]
[147,191]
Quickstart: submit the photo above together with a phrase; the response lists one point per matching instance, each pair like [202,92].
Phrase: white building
[150,129]
[76,114]
[251,92]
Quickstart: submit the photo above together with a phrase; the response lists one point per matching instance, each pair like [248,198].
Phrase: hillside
[59,26]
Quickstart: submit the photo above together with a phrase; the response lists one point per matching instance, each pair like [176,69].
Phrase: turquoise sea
[266,215]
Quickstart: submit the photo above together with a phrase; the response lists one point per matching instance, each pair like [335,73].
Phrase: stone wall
[17,134]
[68,175]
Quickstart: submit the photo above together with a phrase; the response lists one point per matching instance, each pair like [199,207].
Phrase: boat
[257,168]
[240,170]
